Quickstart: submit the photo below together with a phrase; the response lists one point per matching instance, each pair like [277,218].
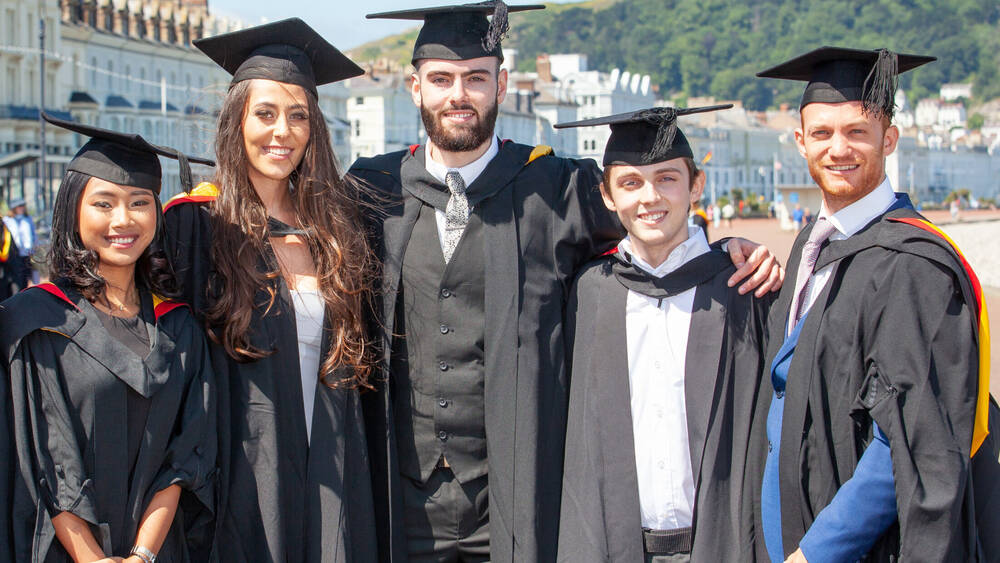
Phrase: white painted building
[598,94]
[381,114]
[126,65]
[953,91]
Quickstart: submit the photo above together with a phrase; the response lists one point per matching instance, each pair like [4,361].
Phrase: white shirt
[469,173]
[309,310]
[657,336]
[847,222]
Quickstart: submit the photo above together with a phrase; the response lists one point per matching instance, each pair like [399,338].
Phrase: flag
[708,156]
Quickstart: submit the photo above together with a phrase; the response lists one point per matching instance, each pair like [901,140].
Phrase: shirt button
[443,436]
[443,365]
[446,293]
[444,329]
[442,402]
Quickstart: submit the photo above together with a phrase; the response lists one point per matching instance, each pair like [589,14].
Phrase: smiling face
[116,222]
[275,130]
[845,149]
[459,100]
[652,202]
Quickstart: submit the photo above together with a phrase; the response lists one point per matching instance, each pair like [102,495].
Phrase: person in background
[797,216]
[699,218]
[22,227]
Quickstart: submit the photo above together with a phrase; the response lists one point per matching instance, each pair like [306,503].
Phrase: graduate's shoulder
[544,159]
[45,306]
[594,274]
[201,195]
[915,241]
[381,171]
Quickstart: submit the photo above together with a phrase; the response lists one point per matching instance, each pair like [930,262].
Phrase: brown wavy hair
[327,206]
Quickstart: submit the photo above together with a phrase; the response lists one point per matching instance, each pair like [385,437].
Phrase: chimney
[121,21]
[544,68]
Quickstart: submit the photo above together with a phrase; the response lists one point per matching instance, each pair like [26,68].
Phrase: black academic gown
[284,498]
[542,219]
[69,383]
[892,338]
[601,520]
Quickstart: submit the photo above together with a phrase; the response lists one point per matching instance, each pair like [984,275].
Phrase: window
[360,101]
[126,81]
[11,31]
[93,70]
[357,127]
[11,85]
[111,78]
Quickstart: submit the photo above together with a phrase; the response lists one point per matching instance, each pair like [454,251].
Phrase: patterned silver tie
[456,214]
[804,279]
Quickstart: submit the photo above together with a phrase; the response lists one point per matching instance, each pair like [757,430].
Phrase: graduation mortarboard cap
[645,137]
[125,159]
[836,74]
[459,32]
[286,51]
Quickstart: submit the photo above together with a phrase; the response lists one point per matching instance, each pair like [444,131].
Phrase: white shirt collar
[855,216]
[469,172]
[695,245]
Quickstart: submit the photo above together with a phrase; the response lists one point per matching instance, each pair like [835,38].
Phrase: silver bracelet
[146,555]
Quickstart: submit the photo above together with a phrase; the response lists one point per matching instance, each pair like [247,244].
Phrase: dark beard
[462,139]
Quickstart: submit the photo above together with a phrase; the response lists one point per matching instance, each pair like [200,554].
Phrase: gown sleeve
[191,453]
[921,388]
[587,228]
[187,229]
[581,532]
[49,461]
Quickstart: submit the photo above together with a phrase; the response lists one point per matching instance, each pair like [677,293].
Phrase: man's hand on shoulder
[752,258]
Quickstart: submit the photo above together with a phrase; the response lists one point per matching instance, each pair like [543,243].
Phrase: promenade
[977,233]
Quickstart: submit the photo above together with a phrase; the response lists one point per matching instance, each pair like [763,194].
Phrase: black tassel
[666,119]
[499,26]
[880,85]
[185,170]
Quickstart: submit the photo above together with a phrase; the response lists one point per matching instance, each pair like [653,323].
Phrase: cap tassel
[880,85]
[499,26]
[185,172]
[666,118]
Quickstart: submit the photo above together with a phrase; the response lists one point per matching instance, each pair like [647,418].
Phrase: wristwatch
[146,555]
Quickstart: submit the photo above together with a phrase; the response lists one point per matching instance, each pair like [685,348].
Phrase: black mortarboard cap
[286,51]
[125,159]
[837,74]
[459,32]
[645,137]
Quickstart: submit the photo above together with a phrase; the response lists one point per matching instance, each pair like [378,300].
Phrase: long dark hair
[70,260]
[327,207]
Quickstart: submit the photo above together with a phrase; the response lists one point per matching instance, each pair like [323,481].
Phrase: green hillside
[714,47]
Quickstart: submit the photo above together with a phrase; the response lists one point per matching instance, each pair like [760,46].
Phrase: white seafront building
[127,65]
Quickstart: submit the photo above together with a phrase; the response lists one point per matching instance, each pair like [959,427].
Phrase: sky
[342,22]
